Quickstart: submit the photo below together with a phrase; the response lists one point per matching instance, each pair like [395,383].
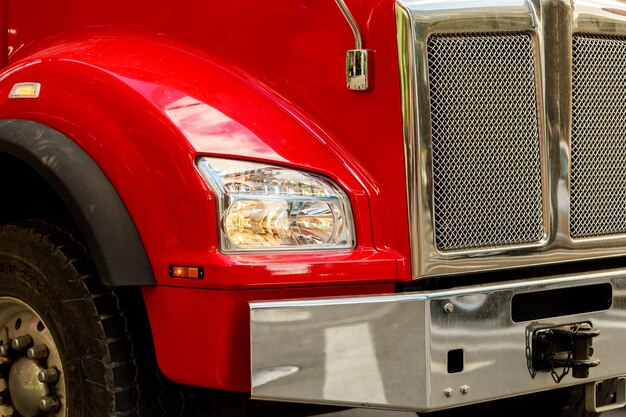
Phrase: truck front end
[410,204]
[513,114]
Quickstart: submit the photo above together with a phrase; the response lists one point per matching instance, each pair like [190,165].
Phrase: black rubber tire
[101,333]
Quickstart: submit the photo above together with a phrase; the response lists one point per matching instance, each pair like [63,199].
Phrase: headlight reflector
[267,208]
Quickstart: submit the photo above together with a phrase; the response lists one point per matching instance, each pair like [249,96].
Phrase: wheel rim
[31,376]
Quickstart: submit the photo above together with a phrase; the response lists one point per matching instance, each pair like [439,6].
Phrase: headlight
[268,208]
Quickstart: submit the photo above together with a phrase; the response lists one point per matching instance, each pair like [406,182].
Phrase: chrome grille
[598,167]
[485,141]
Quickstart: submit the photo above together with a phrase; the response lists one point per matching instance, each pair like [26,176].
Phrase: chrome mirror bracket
[357,60]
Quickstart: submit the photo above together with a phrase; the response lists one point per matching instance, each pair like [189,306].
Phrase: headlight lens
[267,208]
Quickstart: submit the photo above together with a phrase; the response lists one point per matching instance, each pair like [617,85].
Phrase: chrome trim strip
[358,43]
[551,25]
[390,351]
[406,62]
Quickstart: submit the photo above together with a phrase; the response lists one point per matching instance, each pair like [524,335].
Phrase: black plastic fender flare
[110,232]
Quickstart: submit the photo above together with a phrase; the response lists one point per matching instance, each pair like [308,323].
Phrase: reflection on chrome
[272,316]
[348,348]
[263,376]
[471,302]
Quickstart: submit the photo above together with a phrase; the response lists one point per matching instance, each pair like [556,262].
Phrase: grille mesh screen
[598,166]
[486,157]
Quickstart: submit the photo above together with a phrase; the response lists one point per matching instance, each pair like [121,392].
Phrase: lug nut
[37,352]
[448,308]
[48,376]
[9,410]
[22,342]
[49,404]
[4,351]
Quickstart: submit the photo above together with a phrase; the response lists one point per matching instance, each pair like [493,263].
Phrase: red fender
[144,116]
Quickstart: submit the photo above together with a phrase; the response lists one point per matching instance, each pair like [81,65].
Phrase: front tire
[94,333]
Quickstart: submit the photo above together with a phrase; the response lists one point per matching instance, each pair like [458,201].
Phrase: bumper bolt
[22,342]
[465,389]
[37,352]
[448,308]
[448,392]
[48,376]
[49,404]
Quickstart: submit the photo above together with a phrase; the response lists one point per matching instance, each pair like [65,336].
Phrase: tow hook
[568,347]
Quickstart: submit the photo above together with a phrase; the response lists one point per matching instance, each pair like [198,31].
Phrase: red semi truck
[413,204]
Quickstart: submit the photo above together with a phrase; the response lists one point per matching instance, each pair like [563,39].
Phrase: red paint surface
[145,87]
[216,353]
[4,33]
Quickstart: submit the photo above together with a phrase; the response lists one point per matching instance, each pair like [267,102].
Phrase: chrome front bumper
[391,351]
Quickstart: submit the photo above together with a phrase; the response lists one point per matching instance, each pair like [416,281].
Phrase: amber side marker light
[25,90]
[181,271]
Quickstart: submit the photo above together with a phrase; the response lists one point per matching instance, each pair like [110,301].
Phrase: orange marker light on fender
[25,90]
[191,272]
